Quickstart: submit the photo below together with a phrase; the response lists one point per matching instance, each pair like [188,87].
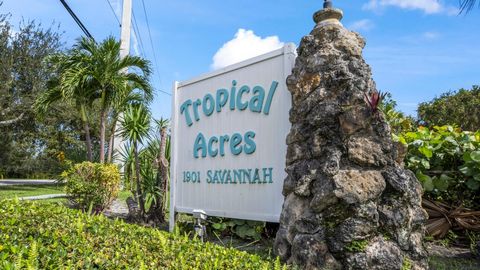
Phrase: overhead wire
[77,20]
[151,44]
[137,33]
[114,13]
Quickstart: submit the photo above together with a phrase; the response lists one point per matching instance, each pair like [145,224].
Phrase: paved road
[11,182]
[43,197]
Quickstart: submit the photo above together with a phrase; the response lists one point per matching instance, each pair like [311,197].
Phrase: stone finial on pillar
[328,15]
[327,4]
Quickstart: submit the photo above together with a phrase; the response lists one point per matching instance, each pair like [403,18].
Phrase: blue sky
[417,48]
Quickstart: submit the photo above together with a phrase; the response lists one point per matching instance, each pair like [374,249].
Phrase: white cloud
[431,35]
[362,25]
[427,6]
[243,46]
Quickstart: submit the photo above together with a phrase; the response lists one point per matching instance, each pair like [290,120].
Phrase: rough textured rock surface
[348,203]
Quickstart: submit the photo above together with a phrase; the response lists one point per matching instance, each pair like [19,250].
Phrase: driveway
[12,182]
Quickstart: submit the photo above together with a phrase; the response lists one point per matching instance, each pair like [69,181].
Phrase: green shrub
[244,229]
[92,184]
[51,236]
[446,161]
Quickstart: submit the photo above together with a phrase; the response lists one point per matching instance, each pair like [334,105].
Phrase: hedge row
[51,236]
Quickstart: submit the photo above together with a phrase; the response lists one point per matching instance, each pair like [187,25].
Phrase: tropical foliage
[467,5]
[50,236]
[244,229]
[446,160]
[145,158]
[92,185]
[397,120]
[94,74]
[135,128]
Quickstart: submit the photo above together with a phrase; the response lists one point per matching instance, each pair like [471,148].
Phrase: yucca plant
[151,191]
[135,128]
[127,158]
[162,164]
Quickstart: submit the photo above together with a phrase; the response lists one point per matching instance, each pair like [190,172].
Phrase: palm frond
[467,5]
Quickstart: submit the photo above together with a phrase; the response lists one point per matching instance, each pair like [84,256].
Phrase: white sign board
[229,139]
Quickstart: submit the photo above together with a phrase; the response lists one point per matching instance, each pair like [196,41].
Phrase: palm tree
[102,69]
[65,86]
[467,5]
[135,127]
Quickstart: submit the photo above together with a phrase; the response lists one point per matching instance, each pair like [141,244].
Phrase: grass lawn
[10,192]
[124,194]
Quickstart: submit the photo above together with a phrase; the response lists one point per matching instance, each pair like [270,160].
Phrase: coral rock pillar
[348,204]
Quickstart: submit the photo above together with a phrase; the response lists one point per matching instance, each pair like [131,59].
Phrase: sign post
[229,131]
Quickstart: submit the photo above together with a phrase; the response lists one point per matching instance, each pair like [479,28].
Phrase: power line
[77,20]
[137,33]
[164,92]
[114,13]
[151,44]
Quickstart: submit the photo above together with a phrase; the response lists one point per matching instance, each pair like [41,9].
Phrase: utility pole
[126,28]
[124,51]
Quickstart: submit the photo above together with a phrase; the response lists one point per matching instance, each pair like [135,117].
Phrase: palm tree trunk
[163,169]
[137,176]
[103,118]
[162,178]
[86,128]
[111,140]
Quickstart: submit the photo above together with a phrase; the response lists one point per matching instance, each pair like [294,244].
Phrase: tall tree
[29,147]
[65,86]
[461,108]
[101,68]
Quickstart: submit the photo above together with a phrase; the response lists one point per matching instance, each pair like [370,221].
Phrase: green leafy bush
[52,236]
[245,229]
[446,161]
[92,184]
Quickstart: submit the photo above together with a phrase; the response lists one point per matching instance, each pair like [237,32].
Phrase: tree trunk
[86,128]
[12,121]
[158,211]
[111,140]
[137,176]
[103,118]
[163,166]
